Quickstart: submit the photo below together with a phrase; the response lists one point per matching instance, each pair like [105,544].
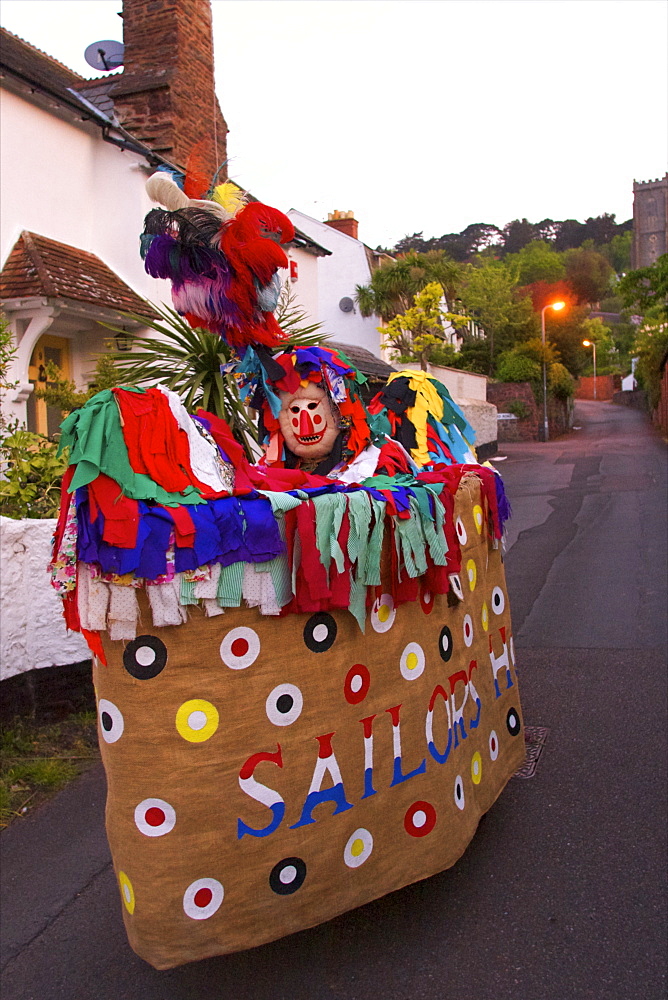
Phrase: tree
[538,261]
[646,289]
[395,283]
[517,234]
[588,273]
[489,295]
[417,333]
[650,348]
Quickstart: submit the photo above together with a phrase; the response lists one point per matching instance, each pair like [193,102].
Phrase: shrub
[31,474]
[519,407]
[560,381]
[515,367]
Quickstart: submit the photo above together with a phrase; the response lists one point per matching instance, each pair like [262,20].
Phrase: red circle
[239,647]
[427,600]
[355,697]
[317,419]
[492,744]
[467,629]
[295,422]
[429,823]
[202,897]
[154,816]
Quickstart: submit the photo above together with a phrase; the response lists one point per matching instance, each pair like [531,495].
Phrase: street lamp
[590,343]
[556,306]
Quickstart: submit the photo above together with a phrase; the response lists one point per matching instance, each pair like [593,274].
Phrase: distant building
[650,221]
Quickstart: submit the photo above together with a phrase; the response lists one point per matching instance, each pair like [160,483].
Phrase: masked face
[308,423]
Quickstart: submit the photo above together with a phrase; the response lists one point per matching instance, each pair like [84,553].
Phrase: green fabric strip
[187,595]
[229,585]
[371,575]
[357,605]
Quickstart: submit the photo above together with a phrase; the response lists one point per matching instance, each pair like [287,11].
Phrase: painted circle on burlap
[358,848]
[287,876]
[357,683]
[498,601]
[484,616]
[127,892]
[383,613]
[513,722]
[460,800]
[493,745]
[284,704]
[155,817]
[467,629]
[476,768]
[145,657]
[478,518]
[111,720]
[240,648]
[456,585]
[202,898]
[420,819]
[320,632]
[445,644]
[426,601]
[412,661]
[461,531]
[472,573]
[197,720]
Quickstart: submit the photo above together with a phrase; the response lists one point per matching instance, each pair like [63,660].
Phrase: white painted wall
[65,182]
[338,276]
[32,628]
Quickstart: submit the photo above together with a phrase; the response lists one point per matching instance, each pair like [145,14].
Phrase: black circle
[322,645]
[513,722]
[286,889]
[106,722]
[144,672]
[284,703]
[459,791]
[497,598]
[445,643]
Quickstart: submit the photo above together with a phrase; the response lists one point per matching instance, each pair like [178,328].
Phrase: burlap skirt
[266,774]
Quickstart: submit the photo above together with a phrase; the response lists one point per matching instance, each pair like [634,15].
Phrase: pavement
[561,894]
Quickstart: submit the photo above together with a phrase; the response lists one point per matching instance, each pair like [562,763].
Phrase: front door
[42,418]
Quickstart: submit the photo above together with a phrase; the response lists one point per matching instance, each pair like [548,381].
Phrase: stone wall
[559,412]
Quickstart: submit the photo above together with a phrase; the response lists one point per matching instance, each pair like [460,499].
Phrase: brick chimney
[345,222]
[165,95]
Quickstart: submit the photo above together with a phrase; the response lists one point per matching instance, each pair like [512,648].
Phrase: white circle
[413,654]
[146,828]
[145,655]
[127,893]
[320,632]
[512,651]
[383,613]
[278,717]
[202,912]
[354,860]
[105,707]
[197,720]
[232,659]
[498,600]
[456,585]
[288,874]
[461,531]
[419,818]
[468,632]
[493,745]
[459,785]
[356,683]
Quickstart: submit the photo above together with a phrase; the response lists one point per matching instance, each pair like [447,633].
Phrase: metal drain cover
[534,739]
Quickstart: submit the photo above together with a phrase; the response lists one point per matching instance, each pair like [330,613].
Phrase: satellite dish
[346,305]
[105,55]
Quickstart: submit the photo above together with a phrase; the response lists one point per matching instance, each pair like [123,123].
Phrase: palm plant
[395,284]
[189,361]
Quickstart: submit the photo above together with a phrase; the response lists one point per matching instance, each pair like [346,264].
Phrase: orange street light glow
[586,343]
[557,305]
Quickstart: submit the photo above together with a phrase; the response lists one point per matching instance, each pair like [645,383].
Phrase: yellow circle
[476,768]
[472,573]
[412,661]
[197,720]
[357,848]
[383,613]
[127,892]
[477,517]
[485,617]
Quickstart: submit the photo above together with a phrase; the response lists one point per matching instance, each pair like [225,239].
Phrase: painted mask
[308,422]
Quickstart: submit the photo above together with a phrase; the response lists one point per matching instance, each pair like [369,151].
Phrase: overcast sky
[422,115]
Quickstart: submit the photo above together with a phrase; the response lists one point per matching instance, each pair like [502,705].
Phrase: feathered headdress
[221,255]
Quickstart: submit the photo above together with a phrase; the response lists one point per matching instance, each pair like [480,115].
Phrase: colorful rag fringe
[279,539]
[424,418]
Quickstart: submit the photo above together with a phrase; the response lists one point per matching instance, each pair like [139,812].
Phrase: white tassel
[162,189]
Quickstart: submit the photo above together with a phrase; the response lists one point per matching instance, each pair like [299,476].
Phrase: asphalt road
[561,894]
